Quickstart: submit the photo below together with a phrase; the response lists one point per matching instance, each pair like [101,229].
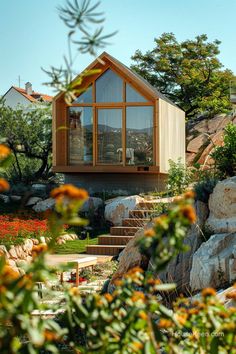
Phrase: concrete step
[134,222]
[110,250]
[145,213]
[124,230]
[114,240]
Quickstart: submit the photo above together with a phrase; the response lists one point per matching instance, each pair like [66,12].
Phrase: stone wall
[117,183]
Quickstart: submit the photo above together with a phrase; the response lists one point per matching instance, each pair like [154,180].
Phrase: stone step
[134,222]
[150,204]
[111,250]
[124,230]
[114,240]
[145,213]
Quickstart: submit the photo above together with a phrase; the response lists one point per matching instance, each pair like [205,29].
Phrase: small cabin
[119,133]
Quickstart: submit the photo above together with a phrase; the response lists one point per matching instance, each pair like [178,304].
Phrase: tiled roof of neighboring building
[35,96]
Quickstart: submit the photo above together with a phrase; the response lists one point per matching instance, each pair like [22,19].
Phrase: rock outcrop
[178,270]
[214,263]
[222,205]
[202,137]
[44,205]
[118,208]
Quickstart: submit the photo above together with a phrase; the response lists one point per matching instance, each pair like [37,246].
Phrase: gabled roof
[143,83]
[34,97]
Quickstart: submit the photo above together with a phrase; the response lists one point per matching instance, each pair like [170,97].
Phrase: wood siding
[171,134]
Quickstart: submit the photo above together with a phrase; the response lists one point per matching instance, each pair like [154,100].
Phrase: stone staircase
[112,244]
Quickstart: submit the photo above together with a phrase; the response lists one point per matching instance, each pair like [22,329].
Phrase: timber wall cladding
[171,134]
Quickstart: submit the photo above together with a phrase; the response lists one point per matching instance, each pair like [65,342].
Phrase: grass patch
[75,246]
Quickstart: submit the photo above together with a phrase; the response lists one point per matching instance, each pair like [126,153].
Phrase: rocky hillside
[211,258]
[202,135]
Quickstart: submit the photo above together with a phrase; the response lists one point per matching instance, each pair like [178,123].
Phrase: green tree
[28,134]
[187,72]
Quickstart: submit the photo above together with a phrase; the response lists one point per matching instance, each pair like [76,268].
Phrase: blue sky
[32,35]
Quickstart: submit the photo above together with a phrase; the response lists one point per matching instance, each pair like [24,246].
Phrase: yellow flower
[208,292]
[149,233]
[74,291]
[137,345]
[4,185]
[4,151]
[69,191]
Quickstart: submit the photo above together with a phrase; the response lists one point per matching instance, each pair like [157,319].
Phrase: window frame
[116,105]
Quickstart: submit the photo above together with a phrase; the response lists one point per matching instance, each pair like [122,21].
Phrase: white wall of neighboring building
[13,99]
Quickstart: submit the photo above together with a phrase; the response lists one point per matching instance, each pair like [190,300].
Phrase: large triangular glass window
[133,96]
[85,97]
[109,87]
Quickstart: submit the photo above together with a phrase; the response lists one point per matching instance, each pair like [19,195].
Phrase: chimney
[28,88]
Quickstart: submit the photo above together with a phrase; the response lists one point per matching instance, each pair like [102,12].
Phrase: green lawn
[76,246]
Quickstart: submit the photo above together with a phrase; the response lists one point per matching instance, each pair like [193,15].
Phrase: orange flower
[208,292]
[69,191]
[193,311]
[164,323]
[231,295]
[149,233]
[135,270]
[108,297]
[4,185]
[117,282]
[182,318]
[143,315]
[189,195]
[138,295]
[4,151]
[9,273]
[50,336]
[188,212]
[154,281]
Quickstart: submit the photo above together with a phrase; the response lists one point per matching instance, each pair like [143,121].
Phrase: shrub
[225,156]
[205,182]
[179,177]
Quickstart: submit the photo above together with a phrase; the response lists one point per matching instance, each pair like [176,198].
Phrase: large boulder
[222,205]
[214,263]
[44,205]
[118,208]
[33,200]
[178,270]
[92,204]
[4,198]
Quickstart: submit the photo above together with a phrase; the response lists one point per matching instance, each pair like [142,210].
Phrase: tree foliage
[189,73]
[225,156]
[28,135]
